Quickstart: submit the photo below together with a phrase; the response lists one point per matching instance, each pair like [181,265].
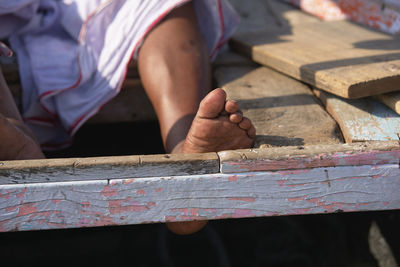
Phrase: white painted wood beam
[198,197]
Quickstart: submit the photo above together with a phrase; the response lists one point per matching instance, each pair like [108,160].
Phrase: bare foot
[218,125]
[17,141]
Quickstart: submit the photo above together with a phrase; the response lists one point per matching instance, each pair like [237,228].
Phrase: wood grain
[392,100]
[339,57]
[199,197]
[380,14]
[362,119]
[312,156]
[100,168]
[283,110]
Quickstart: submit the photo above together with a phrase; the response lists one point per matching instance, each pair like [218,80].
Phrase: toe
[251,132]
[245,124]
[231,106]
[213,104]
[236,117]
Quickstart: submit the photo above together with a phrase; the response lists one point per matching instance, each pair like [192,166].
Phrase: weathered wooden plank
[199,197]
[362,119]
[340,57]
[313,156]
[380,14]
[392,100]
[228,58]
[260,15]
[284,111]
[116,167]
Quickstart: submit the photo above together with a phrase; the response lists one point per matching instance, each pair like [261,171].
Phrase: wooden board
[380,14]
[100,168]
[362,119]
[283,110]
[391,100]
[314,156]
[199,197]
[340,57]
[349,177]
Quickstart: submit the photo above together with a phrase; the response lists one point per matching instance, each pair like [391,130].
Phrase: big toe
[213,104]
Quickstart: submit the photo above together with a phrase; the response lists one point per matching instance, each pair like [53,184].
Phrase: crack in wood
[327,178]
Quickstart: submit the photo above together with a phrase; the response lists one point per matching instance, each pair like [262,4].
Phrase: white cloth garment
[73,54]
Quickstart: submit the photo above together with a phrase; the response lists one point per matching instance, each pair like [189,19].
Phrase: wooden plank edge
[200,197]
[98,168]
[307,75]
[312,156]
[392,100]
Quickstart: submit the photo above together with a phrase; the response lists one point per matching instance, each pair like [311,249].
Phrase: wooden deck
[300,163]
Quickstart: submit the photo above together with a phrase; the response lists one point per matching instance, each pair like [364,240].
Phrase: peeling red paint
[246,199]
[313,200]
[25,209]
[86,205]
[151,204]
[239,213]
[6,196]
[281,182]
[158,190]
[209,210]
[170,218]
[22,194]
[294,199]
[45,214]
[128,181]
[185,211]
[295,185]
[367,12]
[103,220]
[223,216]
[11,208]
[190,218]
[115,207]
[194,212]
[56,201]
[331,207]
[233,178]
[140,192]
[109,192]
[302,211]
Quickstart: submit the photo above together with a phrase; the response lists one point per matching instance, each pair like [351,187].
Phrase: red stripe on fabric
[151,26]
[40,119]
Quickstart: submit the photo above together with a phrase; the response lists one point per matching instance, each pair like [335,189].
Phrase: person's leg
[174,66]
[17,140]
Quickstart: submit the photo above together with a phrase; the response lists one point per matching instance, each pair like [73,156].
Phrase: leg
[17,141]
[175,71]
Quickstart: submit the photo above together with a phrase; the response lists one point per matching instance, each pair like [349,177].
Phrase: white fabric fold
[73,54]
